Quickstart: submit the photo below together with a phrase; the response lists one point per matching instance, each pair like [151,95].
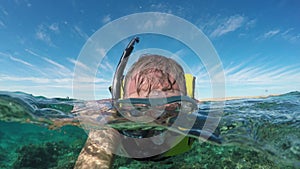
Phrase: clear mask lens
[161,111]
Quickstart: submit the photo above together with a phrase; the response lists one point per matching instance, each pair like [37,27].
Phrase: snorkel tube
[118,77]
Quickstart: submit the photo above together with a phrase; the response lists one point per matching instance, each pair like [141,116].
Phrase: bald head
[154,76]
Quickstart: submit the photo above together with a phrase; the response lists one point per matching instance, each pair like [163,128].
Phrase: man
[152,76]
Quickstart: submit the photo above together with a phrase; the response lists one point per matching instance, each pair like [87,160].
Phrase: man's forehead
[142,71]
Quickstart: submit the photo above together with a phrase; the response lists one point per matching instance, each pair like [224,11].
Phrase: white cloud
[160,21]
[231,24]
[101,80]
[261,75]
[54,27]
[242,79]
[21,61]
[50,87]
[54,69]
[42,34]
[290,35]
[106,19]
[285,33]
[54,63]
[101,52]
[31,52]
[79,64]
[58,70]
[16,59]
[109,66]
[251,23]
[2,25]
[87,80]
[148,25]
[232,69]
[81,33]
[257,80]
[4,11]
[106,66]
[271,33]
[19,79]
[164,7]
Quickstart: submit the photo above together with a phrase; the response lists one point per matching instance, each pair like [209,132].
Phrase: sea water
[38,132]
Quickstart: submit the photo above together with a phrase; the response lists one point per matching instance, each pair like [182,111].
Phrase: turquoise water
[38,132]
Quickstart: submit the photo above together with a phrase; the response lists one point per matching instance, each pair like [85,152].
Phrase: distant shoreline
[237,98]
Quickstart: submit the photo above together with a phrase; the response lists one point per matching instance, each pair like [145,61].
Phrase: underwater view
[254,133]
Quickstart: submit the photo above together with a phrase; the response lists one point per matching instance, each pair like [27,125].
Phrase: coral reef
[205,156]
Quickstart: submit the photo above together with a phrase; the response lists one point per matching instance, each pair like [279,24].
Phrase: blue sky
[258,43]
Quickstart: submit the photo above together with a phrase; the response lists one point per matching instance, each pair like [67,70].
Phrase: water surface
[38,132]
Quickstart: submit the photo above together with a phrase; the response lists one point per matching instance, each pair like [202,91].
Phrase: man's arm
[99,149]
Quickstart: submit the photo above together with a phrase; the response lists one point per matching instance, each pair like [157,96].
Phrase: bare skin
[98,150]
